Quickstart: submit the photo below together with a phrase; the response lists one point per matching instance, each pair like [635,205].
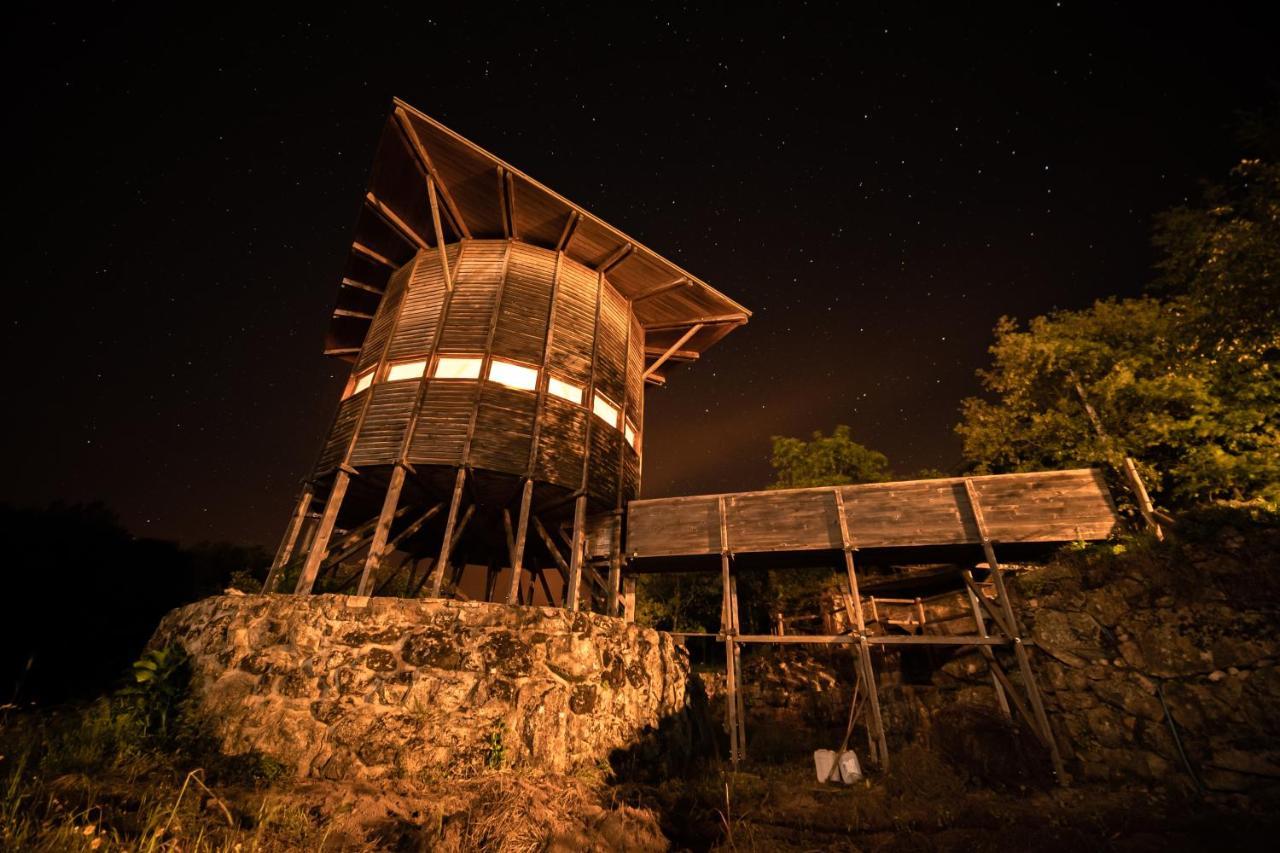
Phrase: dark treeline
[83,596]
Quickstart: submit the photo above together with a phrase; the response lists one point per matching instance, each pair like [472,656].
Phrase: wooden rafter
[621,254]
[424,159]
[342,351]
[682,281]
[662,359]
[360,285]
[347,312]
[362,249]
[678,355]
[570,229]
[709,320]
[398,225]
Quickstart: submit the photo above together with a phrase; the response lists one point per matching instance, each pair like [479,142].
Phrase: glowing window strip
[406,370]
[605,411]
[629,432]
[457,368]
[513,375]
[363,381]
[564,390]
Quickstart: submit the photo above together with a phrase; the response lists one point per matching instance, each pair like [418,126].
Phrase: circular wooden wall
[478,376]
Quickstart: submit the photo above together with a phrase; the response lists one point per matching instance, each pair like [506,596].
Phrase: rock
[1072,637]
[400,685]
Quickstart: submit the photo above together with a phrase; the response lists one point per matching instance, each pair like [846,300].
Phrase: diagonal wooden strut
[1011,619]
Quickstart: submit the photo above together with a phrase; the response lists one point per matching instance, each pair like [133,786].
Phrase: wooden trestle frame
[1008,633]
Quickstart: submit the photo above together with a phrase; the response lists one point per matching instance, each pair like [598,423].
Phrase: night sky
[877,186]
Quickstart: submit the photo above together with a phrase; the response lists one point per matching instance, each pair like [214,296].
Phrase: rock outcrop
[1146,663]
[343,688]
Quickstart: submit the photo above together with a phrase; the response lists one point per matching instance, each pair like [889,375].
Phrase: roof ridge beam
[410,135]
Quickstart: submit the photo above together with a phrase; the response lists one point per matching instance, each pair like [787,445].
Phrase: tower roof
[482,196]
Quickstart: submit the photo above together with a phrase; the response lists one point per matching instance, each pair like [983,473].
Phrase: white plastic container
[848,770]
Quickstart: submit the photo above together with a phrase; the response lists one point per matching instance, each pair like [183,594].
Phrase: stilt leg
[1011,618]
[437,576]
[571,599]
[629,598]
[382,530]
[285,551]
[517,556]
[737,666]
[320,546]
[990,656]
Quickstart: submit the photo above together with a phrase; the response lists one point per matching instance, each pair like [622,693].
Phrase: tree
[1185,381]
[834,460]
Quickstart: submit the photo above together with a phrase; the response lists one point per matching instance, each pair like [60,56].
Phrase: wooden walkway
[917,520]
[911,521]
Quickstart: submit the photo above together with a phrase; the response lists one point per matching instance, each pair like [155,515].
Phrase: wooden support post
[1020,651]
[615,568]
[561,565]
[730,644]
[629,598]
[383,529]
[320,546]
[435,224]
[446,543]
[578,552]
[989,655]
[868,670]
[737,665]
[522,529]
[285,552]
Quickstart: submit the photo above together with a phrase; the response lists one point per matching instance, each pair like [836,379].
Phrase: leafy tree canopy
[825,460]
[1186,380]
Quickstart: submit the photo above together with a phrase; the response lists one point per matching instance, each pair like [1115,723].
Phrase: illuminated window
[513,375]
[564,390]
[363,381]
[605,411]
[406,370]
[629,431]
[457,368]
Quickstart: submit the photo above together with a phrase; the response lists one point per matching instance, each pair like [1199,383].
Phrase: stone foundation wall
[344,688]
[1116,651]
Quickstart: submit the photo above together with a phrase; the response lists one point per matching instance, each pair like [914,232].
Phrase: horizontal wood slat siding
[475,289]
[658,528]
[602,531]
[575,320]
[522,316]
[441,431]
[783,521]
[335,447]
[603,476]
[504,424]
[635,374]
[503,417]
[383,321]
[563,437]
[611,353]
[1057,506]
[384,424]
[416,330]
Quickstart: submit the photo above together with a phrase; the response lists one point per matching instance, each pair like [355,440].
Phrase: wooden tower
[500,340]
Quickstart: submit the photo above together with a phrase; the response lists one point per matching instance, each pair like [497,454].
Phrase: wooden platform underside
[917,519]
